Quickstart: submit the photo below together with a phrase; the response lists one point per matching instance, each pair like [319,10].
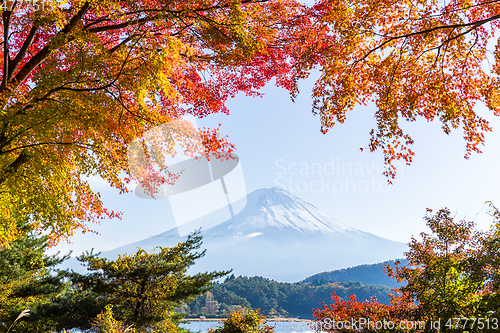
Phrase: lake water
[281,327]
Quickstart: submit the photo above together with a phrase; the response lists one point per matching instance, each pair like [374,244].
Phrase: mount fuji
[279,236]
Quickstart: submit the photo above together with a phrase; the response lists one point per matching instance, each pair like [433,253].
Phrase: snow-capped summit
[277,210]
[276,196]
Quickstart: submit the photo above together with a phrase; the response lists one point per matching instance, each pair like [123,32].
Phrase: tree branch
[3,141]
[39,144]
[22,52]
[474,25]
[123,42]
[122,25]
[44,53]
[104,87]
[14,166]
[6,58]
[152,18]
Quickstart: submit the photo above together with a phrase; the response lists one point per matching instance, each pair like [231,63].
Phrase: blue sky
[279,144]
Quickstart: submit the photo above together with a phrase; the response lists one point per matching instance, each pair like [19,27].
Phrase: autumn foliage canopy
[82,79]
[424,59]
[450,284]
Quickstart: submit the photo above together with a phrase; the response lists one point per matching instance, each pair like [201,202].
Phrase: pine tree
[28,280]
[145,288]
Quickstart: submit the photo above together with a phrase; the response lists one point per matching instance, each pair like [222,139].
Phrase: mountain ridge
[366,274]
[278,236]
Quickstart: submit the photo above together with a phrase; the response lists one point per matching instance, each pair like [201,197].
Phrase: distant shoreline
[267,319]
